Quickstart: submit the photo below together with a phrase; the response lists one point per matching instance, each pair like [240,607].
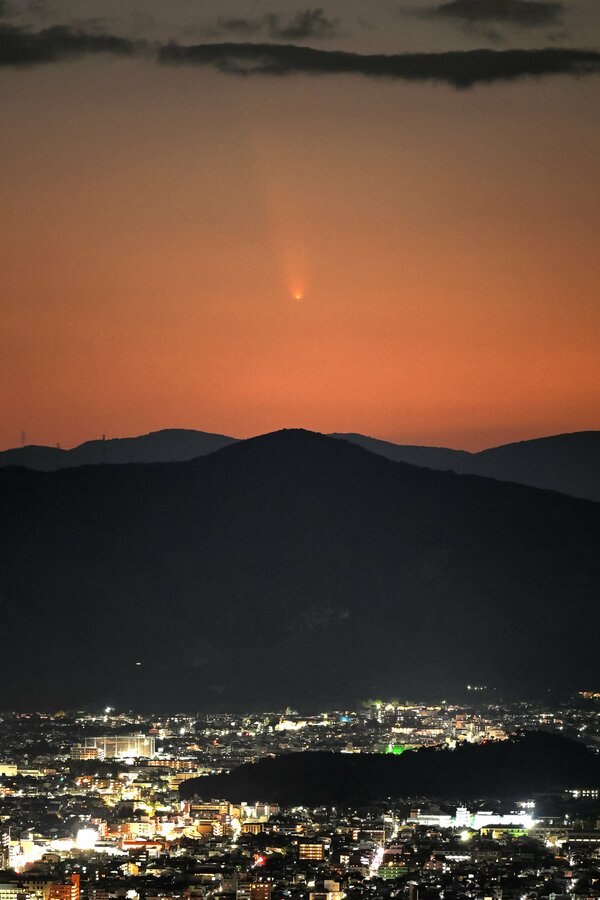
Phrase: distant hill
[169,445]
[519,767]
[290,569]
[431,457]
[569,463]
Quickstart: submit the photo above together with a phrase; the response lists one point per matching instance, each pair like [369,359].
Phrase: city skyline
[385,799]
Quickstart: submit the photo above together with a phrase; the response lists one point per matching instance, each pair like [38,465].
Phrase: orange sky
[157,223]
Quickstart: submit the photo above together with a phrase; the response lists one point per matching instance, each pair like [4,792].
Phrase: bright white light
[86,839]
[376,861]
[465,835]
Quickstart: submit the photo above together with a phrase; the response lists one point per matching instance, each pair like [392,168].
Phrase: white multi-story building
[121,746]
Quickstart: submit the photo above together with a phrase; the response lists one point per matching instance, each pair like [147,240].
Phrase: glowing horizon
[443,244]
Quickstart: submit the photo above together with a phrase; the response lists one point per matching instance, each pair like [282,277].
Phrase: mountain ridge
[568,463]
[164,445]
[291,568]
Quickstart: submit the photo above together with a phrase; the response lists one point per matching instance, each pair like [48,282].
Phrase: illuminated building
[462,819]
[251,827]
[29,889]
[260,891]
[331,891]
[211,809]
[64,891]
[17,890]
[172,763]
[222,826]
[515,820]
[391,869]
[310,851]
[86,839]
[4,849]
[433,818]
[175,780]
[592,793]
[121,746]
[466,819]
[78,751]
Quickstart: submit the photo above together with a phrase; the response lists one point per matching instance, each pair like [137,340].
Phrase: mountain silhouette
[519,767]
[290,569]
[168,445]
[442,458]
[569,463]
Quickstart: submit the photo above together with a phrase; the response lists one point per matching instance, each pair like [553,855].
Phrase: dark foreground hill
[168,445]
[514,768]
[291,568]
[569,463]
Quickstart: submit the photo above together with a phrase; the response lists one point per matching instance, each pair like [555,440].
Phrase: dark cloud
[521,13]
[19,47]
[458,68]
[303,25]
[462,69]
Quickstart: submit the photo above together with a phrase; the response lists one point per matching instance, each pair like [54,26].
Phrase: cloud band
[461,69]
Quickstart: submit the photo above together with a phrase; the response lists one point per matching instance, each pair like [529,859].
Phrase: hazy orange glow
[162,223]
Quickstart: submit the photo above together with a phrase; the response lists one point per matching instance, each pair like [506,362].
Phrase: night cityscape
[299,450]
[92,805]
